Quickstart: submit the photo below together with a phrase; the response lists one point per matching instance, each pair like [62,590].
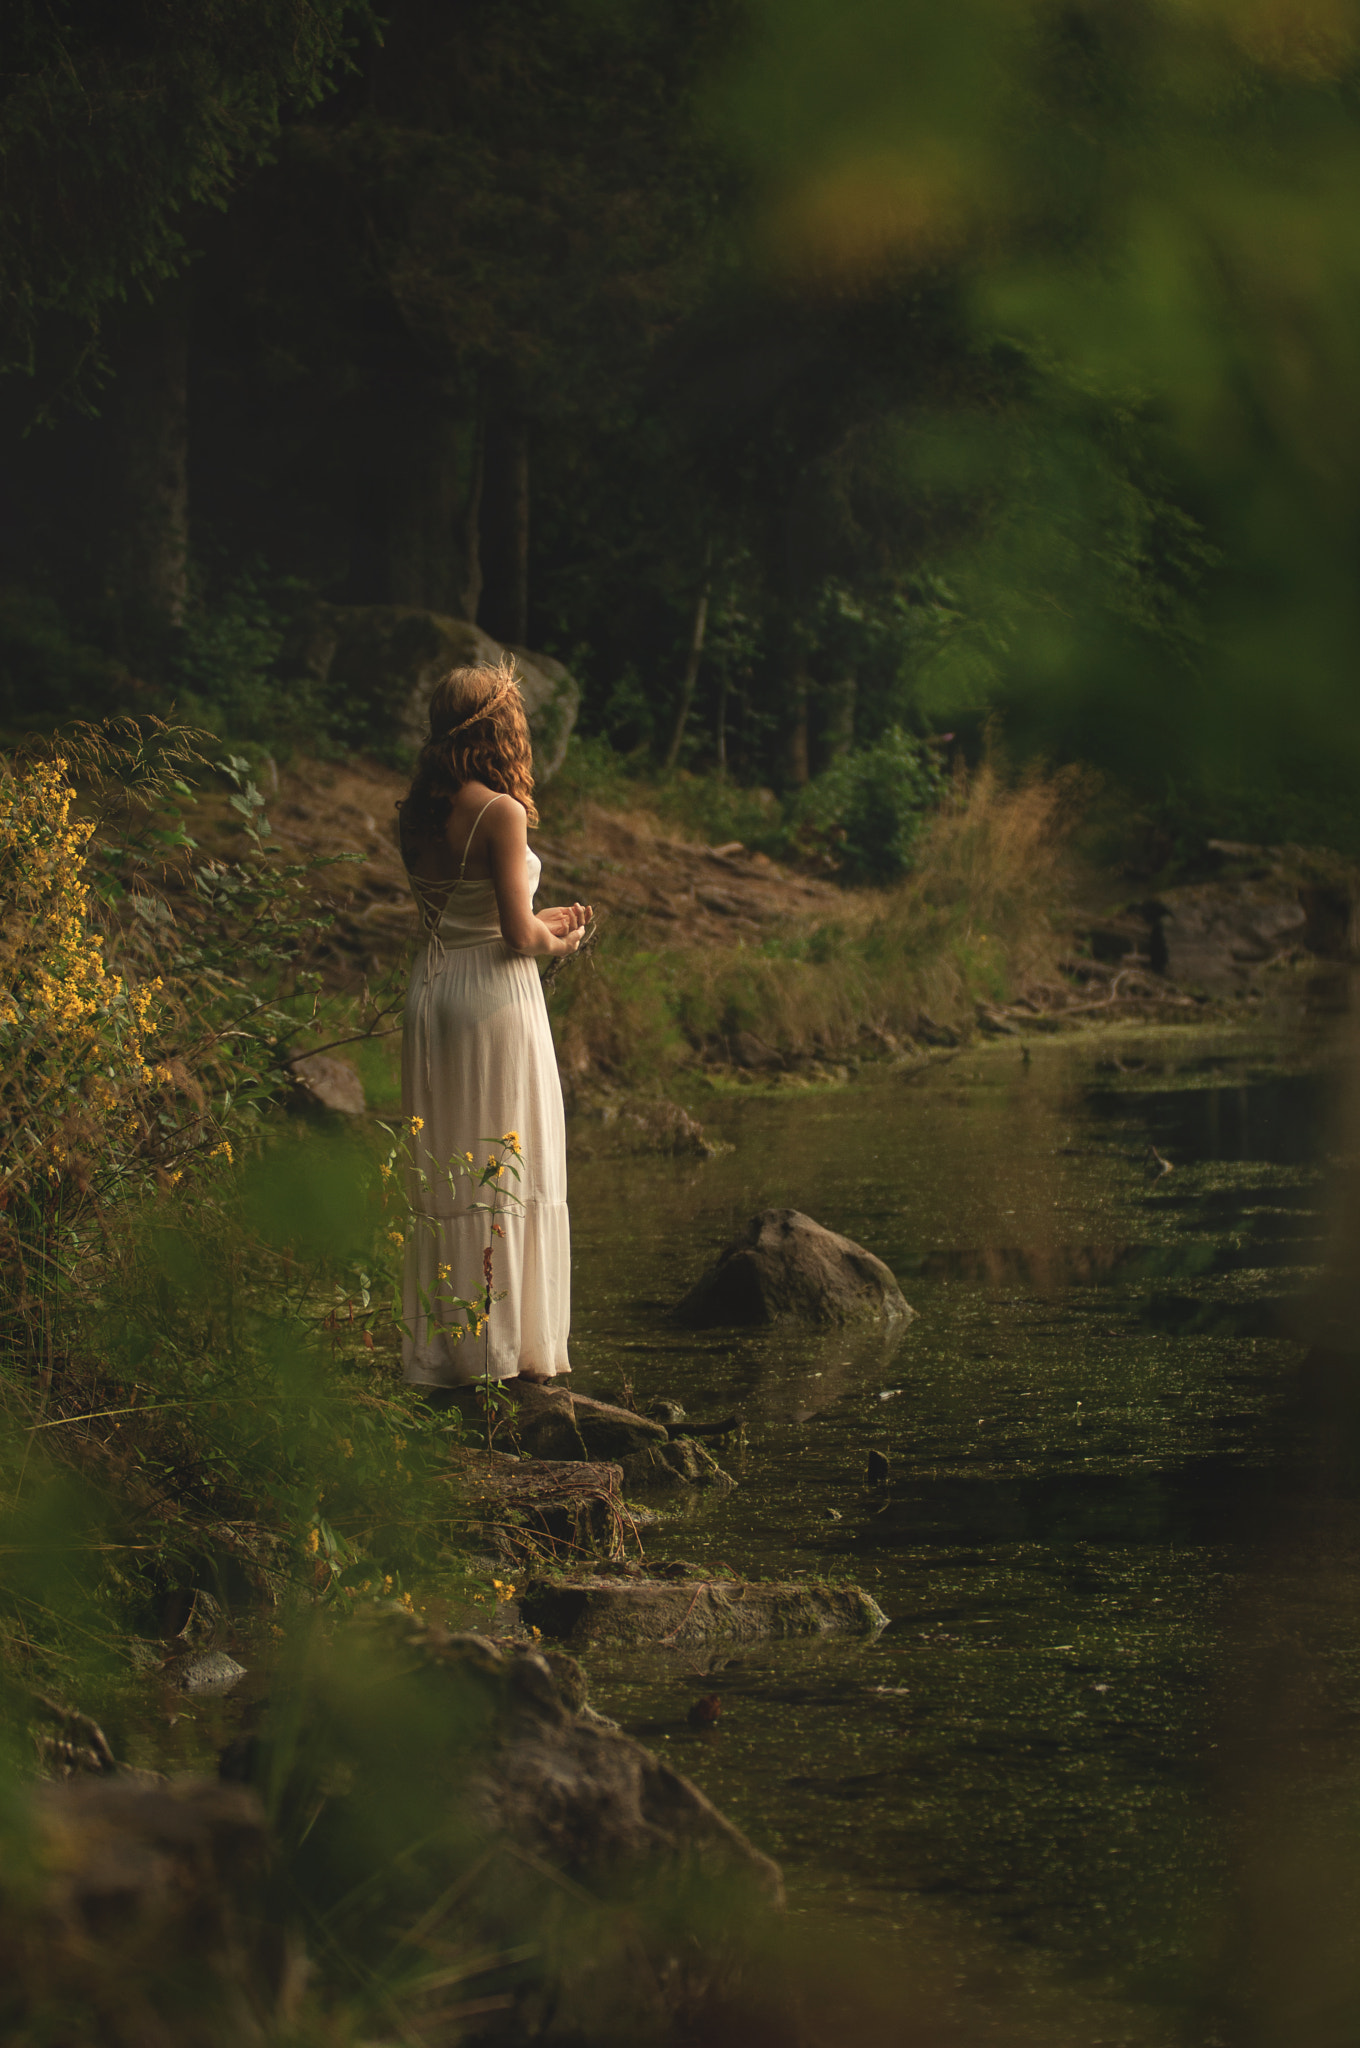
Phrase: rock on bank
[485,1860]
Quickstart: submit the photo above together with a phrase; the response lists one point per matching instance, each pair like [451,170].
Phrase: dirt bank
[719,957]
[653,887]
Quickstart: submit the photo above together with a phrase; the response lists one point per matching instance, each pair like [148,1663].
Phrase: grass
[979,918]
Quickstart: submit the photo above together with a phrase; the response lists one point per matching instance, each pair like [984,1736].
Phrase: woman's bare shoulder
[489,813]
[506,813]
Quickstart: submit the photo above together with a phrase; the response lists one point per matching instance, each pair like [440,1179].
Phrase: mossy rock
[386,659]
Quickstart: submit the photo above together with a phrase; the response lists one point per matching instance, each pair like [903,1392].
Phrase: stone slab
[627,1613]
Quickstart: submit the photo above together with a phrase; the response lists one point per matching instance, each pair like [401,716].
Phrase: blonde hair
[478,733]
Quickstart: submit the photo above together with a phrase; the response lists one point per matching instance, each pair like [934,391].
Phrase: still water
[1083,1428]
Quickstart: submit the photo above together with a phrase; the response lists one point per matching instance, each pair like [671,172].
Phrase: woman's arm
[507,847]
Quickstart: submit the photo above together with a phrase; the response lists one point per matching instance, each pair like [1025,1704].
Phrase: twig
[314,1052]
[565,960]
[702,1587]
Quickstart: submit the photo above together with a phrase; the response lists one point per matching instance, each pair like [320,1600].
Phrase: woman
[477,1054]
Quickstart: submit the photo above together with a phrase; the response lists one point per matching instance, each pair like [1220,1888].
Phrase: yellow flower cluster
[68,1024]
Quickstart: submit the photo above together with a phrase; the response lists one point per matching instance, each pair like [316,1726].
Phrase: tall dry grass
[980,918]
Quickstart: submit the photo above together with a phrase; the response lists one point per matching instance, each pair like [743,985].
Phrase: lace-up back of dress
[458,910]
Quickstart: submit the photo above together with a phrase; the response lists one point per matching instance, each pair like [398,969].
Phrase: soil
[661,887]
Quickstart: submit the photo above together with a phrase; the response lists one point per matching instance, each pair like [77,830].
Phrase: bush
[47,671]
[866,811]
[197,1363]
[234,669]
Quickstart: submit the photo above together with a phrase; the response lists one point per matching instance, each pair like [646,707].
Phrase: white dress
[478,1061]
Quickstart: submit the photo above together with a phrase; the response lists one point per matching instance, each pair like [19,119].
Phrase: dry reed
[979,918]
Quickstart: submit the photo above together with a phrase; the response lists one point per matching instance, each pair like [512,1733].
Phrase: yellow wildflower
[493,1166]
[222,1151]
[312,1543]
[395,1237]
[511,1139]
[417,1124]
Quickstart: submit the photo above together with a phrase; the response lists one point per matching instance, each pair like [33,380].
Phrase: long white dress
[478,1061]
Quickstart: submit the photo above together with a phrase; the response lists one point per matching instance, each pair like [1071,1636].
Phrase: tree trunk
[720,736]
[151,539]
[418,500]
[800,687]
[503,609]
[469,588]
[693,659]
[839,732]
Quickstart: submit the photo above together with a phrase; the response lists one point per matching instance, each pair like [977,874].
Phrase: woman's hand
[566,918]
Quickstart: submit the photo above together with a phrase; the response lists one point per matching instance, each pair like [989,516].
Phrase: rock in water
[210,1671]
[784,1267]
[551,1422]
[633,1613]
[674,1468]
[321,1083]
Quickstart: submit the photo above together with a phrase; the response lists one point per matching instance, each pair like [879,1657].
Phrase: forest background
[926,373]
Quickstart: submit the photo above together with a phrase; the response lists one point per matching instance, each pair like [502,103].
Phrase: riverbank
[717,966]
[714,957]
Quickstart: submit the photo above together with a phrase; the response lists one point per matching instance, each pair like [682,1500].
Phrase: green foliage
[219,1414]
[1164,487]
[149,992]
[114,121]
[48,671]
[227,669]
[867,810]
[195,1300]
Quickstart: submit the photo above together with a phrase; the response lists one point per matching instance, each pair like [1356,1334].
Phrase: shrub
[47,671]
[866,811]
[234,667]
[147,991]
[192,1373]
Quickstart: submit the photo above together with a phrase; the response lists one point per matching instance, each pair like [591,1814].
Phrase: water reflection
[1082,1439]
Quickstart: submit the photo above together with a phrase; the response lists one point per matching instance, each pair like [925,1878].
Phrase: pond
[1028,1773]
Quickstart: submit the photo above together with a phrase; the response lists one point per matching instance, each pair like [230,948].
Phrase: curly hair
[478,733]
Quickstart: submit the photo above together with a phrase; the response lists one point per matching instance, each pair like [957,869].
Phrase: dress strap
[475,823]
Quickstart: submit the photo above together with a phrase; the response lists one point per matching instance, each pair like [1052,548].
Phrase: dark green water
[1083,1427]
